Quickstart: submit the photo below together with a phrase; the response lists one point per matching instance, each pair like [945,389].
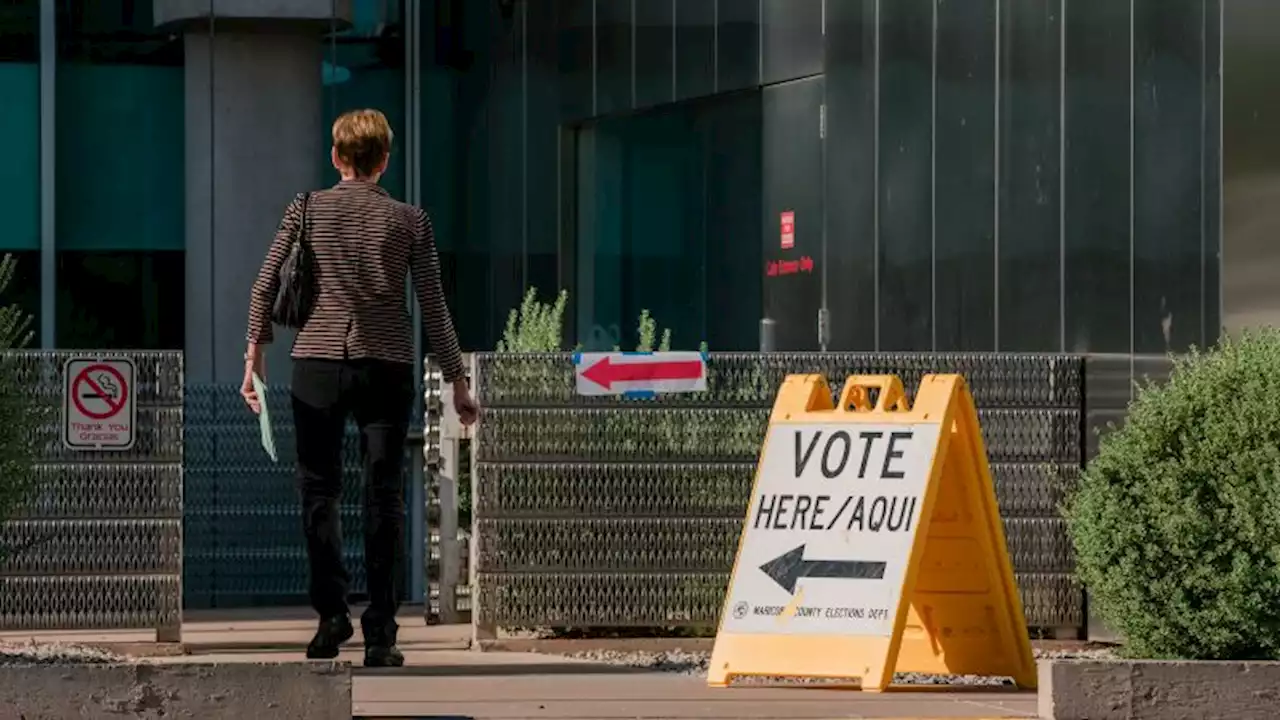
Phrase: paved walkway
[444,681]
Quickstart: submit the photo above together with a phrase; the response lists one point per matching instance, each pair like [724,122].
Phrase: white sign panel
[99,409]
[621,373]
[830,529]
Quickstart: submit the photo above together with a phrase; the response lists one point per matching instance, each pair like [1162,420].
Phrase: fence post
[170,630]
[447,494]
[431,419]
[482,627]
[768,335]
[452,433]
[447,491]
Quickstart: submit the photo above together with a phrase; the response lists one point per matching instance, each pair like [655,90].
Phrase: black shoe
[383,656]
[329,637]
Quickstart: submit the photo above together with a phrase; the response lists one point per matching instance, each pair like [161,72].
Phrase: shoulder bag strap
[302,221]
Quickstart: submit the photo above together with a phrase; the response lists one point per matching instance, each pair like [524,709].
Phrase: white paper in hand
[264,419]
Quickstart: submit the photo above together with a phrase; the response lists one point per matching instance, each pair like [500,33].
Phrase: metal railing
[611,512]
[445,455]
[100,546]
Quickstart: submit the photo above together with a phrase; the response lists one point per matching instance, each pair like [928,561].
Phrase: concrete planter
[302,690]
[1158,690]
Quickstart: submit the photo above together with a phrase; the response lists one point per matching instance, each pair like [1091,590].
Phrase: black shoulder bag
[297,294]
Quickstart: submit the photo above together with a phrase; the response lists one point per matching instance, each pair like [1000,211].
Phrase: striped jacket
[365,243]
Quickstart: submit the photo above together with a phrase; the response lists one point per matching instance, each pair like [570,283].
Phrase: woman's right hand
[254,364]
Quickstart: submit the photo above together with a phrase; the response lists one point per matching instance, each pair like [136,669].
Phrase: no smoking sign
[99,408]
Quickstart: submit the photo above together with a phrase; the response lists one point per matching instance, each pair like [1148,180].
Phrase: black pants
[379,395]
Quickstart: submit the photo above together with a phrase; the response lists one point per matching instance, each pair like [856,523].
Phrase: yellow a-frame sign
[873,543]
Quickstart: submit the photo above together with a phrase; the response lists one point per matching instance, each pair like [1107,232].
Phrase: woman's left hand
[463,404]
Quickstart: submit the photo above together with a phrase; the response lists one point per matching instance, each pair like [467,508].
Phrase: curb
[235,691]
[1158,690]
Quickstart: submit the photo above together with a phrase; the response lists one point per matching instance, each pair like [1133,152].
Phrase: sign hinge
[824,328]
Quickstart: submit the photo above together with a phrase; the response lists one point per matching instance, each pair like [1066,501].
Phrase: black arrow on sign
[788,568]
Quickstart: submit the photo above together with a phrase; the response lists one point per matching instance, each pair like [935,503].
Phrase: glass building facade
[1036,175]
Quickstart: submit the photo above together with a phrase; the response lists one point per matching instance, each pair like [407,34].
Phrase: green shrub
[647,332]
[1176,524]
[538,327]
[17,413]
[535,326]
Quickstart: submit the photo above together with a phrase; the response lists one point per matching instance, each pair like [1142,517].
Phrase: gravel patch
[56,654]
[682,662]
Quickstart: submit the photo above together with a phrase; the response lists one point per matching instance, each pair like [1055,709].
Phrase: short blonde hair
[362,139]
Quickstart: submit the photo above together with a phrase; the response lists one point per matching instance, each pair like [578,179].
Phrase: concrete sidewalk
[256,630]
[445,681]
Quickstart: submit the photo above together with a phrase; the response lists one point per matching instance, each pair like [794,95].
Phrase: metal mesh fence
[100,545]
[546,380]
[615,512]
[244,542]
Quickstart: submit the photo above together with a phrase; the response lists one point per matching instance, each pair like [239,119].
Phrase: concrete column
[254,138]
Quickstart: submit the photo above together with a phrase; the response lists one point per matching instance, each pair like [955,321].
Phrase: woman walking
[337,270]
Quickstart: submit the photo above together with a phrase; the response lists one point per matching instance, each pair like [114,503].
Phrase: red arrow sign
[605,373]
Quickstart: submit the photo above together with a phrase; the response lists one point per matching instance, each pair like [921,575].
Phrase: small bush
[647,332]
[1176,524]
[535,326]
